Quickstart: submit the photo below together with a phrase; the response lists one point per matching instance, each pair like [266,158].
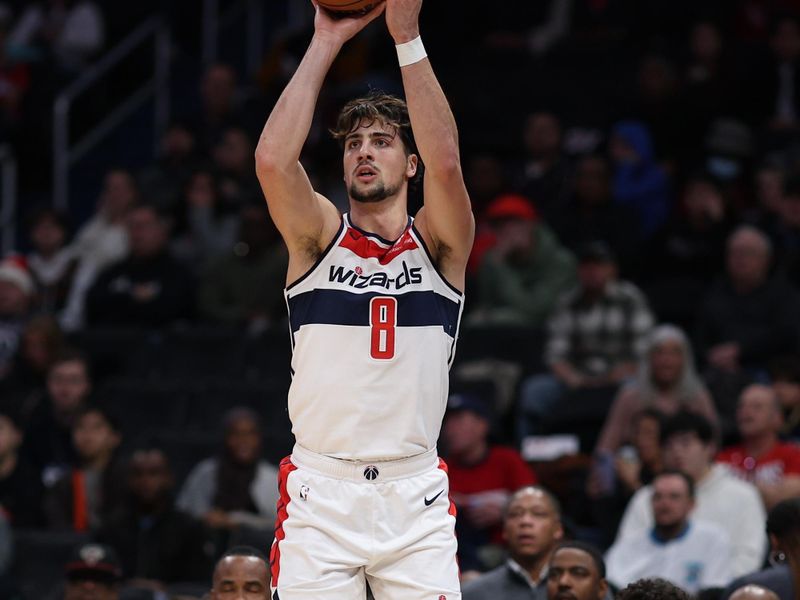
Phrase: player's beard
[380,191]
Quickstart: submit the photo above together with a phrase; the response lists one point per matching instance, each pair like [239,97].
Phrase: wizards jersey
[373,327]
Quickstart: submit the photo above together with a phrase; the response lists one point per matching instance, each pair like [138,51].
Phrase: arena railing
[66,152]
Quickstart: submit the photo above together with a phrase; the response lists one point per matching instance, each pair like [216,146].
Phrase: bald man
[241,574]
[754,592]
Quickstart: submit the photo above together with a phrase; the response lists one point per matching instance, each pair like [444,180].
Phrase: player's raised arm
[446,219]
[302,216]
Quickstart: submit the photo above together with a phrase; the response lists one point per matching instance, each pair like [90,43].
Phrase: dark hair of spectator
[652,589]
[105,413]
[687,422]
[590,549]
[45,213]
[554,503]
[783,522]
[72,355]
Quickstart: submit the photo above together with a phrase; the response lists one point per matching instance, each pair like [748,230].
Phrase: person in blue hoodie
[639,182]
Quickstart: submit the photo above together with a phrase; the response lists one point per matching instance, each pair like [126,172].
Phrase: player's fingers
[375,12]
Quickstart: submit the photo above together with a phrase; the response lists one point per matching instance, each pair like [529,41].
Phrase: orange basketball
[348,7]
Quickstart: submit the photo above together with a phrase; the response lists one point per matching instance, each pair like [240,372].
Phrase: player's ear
[412,162]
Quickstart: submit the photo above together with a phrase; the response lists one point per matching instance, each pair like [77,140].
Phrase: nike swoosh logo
[432,500]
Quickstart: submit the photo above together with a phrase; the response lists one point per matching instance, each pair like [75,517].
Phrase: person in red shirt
[482,478]
[761,458]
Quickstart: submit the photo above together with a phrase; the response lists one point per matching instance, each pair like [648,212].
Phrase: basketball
[348,7]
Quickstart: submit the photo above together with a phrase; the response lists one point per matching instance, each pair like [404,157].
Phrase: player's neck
[381,218]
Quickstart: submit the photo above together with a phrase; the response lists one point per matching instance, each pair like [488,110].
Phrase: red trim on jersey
[286,467]
[365,247]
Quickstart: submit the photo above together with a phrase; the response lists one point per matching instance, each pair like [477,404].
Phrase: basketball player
[374,299]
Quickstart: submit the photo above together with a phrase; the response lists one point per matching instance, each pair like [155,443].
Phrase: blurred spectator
[485,178]
[20,484]
[219,106]
[52,263]
[691,554]
[720,498]
[652,589]
[210,226]
[85,495]
[531,530]
[545,176]
[666,381]
[16,298]
[773,87]
[708,80]
[526,269]
[482,477]
[72,31]
[639,182]
[92,573]
[242,572]
[596,336]
[42,341]
[591,215]
[156,542]
[770,181]
[784,374]
[746,318]
[577,571]
[148,288]
[102,241]
[245,287]
[786,231]
[163,182]
[233,159]
[688,252]
[237,488]
[48,436]
[761,458]
[783,576]
[615,477]
[15,82]
[657,104]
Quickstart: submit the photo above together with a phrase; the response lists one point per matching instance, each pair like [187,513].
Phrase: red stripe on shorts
[443,467]
[286,467]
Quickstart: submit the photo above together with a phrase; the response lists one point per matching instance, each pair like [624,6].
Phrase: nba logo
[304,489]
[371,472]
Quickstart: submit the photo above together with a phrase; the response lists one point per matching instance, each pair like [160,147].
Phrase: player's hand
[344,28]
[402,19]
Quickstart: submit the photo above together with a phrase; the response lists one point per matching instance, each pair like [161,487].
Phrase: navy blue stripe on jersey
[382,240]
[339,307]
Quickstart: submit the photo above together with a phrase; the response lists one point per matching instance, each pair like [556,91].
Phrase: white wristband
[410,52]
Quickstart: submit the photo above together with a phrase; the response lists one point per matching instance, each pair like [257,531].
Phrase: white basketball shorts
[343,523]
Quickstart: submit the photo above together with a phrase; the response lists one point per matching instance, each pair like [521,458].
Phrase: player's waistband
[377,471]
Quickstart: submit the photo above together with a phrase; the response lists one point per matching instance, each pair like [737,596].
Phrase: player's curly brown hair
[652,589]
[384,108]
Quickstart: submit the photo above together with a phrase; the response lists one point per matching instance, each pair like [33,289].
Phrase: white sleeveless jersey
[373,327]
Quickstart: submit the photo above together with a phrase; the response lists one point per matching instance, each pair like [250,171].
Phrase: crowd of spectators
[638,229]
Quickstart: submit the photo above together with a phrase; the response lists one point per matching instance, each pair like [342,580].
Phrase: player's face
[572,575]
[241,578]
[376,166]
[531,526]
[671,501]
